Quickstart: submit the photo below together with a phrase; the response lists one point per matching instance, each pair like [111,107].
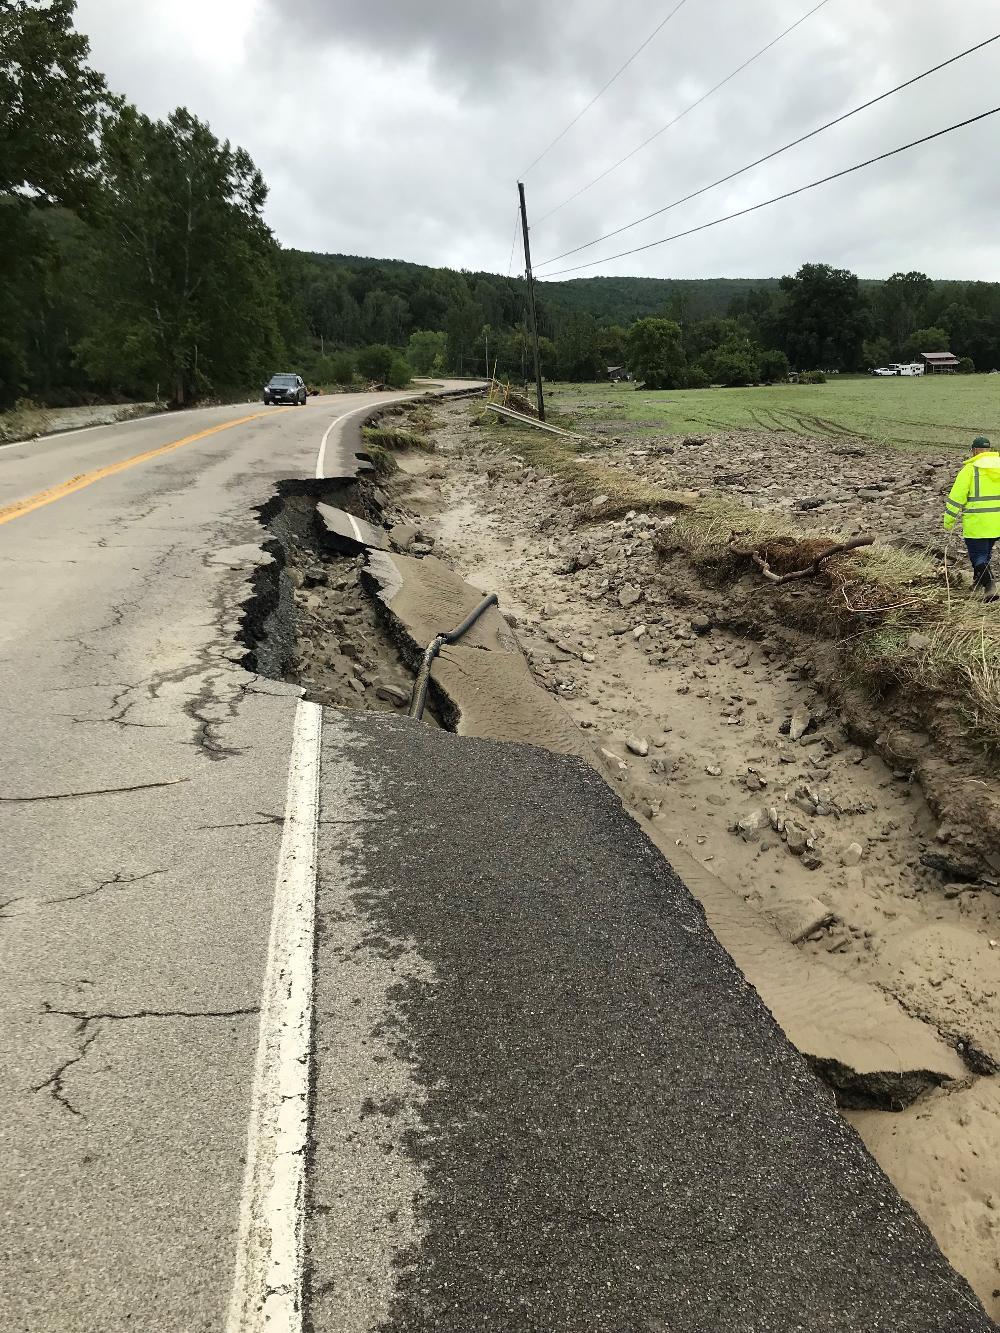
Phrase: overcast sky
[398,128]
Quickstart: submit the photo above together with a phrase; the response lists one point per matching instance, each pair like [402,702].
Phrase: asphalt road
[142,784]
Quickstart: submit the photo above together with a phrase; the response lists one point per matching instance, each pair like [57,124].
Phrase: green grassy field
[924,412]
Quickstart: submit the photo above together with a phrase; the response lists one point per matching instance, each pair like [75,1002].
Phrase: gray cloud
[398,130]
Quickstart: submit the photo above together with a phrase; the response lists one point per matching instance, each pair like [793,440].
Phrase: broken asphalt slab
[578,1114]
[346,534]
[482,684]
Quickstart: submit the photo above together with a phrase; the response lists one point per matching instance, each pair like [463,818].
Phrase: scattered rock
[918,642]
[713,770]
[613,761]
[961,870]
[393,694]
[638,745]
[749,826]
[700,624]
[852,854]
[628,595]
[811,860]
[800,722]
[812,502]
[795,838]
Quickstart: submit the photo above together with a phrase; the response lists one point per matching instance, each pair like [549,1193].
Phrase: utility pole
[531,302]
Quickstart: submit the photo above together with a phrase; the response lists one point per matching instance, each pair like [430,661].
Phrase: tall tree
[656,353]
[824,319]
[50,104]
[51,101]
[900,306]
[187,282]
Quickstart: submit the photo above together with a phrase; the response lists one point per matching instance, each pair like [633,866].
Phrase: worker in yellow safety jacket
[975,497]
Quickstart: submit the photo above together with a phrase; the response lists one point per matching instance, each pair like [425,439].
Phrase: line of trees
[134,260]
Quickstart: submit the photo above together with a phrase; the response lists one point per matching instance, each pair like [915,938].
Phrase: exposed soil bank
[726,724]
[308,620]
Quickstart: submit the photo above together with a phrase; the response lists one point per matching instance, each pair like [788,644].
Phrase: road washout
[731,736]
[818,863]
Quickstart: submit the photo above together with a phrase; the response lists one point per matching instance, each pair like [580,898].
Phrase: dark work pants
[980,550]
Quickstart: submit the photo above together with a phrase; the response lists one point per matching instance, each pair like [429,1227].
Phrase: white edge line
[365,407]
[270,1254]
[267,1286]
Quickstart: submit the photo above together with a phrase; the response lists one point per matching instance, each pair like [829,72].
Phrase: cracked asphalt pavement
[142,790]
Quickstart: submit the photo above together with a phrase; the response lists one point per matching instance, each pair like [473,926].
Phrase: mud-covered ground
[735,744]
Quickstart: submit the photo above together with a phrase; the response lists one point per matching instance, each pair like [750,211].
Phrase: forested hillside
[135,261]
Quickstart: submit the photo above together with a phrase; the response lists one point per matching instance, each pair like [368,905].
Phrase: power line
[597,96]
[768,156]
[680,116]
[789,194]
[510,261]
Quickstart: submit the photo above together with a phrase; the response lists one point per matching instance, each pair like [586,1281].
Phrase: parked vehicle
[908,368]
[285,388]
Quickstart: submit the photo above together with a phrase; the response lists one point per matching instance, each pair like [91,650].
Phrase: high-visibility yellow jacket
[976,496]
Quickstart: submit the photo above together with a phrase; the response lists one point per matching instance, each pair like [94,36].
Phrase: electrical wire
[598,95]
[510,261]
[769,156]
[789,194]
[680,116]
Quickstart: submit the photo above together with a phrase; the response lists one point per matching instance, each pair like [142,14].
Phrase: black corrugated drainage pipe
[418,698]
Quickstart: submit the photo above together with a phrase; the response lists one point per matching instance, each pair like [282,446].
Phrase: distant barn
[939,363]
[618,373]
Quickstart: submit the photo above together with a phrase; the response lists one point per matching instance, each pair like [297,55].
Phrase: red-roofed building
[939,363]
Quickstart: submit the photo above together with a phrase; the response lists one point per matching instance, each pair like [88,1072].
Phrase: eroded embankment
[308,619]
[854,826]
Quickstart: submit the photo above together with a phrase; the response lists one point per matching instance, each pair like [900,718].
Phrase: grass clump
[587,481]
[387,437]
[419,418]
[381,458]
[24,419]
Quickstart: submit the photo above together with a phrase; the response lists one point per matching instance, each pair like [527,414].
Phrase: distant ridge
[611,300]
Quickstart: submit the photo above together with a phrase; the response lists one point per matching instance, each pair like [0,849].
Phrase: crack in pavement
[96,791]
[55,1083]
[264,821]
[117,881]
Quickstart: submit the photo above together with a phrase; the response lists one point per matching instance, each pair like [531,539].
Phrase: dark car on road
[285,388]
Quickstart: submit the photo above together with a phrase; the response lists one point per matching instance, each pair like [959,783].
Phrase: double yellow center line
[21,507]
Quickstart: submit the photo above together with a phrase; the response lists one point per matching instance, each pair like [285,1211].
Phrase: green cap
[981,442]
